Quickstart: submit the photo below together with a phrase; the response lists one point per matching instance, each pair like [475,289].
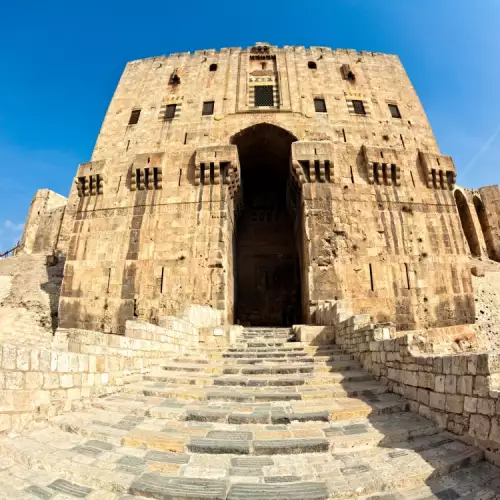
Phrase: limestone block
[450,384]
[486,406]
[479,426]
[454,403]
[470,404]
[437,400]
[477,270]
[465,384]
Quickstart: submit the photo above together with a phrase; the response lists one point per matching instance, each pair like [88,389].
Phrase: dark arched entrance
[483,220]
[467,224]
[266,267]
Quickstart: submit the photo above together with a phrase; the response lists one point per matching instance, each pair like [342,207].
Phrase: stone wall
[156,210]
[460,391]
[43,224]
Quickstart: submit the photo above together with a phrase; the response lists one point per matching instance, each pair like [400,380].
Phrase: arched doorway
[467,223]
[483,220]
[267,260]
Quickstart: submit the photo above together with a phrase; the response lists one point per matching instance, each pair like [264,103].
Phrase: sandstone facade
[264,182]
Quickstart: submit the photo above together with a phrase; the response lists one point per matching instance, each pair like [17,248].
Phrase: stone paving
[293,423]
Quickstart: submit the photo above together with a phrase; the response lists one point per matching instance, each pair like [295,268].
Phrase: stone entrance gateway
[267,233]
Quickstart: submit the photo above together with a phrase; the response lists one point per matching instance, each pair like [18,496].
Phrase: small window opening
[359,107]
[109,279]
[352,175]
[128,145]
[393,173]
[264,96]
[437,159]
[371,278]
[319,105]
[155,178]
[402,140]
[170,111]
[185,138]
[343,133]
[312,65]
[407,276]
[393,108]
[316,170]
[180,176]
[134,116]
[263,65]
[208,108]
[328,171]
[412,179]
[161,279]
[213,67]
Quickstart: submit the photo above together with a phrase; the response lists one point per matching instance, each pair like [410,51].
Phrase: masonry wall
[387,238]
[43,224]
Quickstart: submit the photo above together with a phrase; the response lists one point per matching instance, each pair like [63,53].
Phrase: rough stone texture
[166,213]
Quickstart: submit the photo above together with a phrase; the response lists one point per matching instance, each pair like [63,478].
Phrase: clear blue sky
[60,62]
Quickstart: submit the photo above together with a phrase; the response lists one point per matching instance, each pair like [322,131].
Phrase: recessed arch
[467,223]
[267,264]
[485,227]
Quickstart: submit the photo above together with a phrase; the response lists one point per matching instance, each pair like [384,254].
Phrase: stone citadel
[266,255]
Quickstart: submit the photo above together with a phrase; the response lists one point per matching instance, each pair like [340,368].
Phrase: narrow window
[312,65]
[161,279]
[412,179]
[128,145]
[155,177]
[352,175]
[407,276]
[109,279]
[393,174]
[208,108]
[393,108]
[134,116]
[343,133]
[359,107]
[213,67]
[319,105]
[185,138]
[170,111]
[264,96]
[402,140]
[371,278]
[180,176]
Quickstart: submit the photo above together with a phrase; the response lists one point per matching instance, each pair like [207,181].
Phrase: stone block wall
[460,392]
[43,224]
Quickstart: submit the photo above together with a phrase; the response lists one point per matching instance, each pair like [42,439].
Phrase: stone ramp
[304,423]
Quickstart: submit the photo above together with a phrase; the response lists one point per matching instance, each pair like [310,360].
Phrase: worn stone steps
[392,467]
[287,438]
[274,412]
[259,377]
[332,389]
[268,368]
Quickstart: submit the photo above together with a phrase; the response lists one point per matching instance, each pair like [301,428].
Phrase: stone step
[215,438]
[186,360]
[275,412]
[398,467]
[249,369]
[254,380]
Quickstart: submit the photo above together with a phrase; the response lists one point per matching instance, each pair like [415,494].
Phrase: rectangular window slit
[155,177]
[185,138]
[412,179]
[371,278]
[161,279]
[180,176]
[352,175]
[343,133]
[407,276]
[109,279]
[316,170]
[402,140]
[128,145]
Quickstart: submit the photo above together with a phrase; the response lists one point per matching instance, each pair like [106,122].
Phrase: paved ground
[270,419]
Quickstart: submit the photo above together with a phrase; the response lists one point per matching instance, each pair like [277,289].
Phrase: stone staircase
[267,418]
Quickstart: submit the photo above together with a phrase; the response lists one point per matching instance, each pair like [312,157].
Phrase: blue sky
[60,62]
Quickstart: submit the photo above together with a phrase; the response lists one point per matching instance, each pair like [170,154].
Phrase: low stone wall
[37,383]
[460,392]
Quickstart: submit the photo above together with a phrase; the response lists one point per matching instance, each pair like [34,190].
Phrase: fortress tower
[264,182]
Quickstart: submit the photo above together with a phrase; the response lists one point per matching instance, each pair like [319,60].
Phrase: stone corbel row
[439,170]
[312,161]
